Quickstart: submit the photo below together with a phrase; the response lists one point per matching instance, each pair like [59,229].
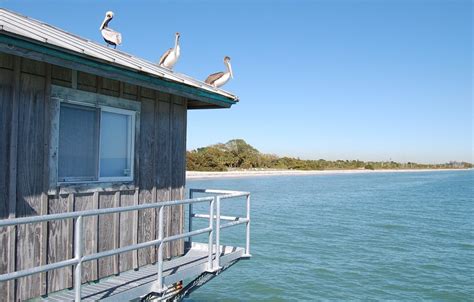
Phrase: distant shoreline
[257,173]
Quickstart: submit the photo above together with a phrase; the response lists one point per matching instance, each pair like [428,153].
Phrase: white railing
[79,258]
[219,196]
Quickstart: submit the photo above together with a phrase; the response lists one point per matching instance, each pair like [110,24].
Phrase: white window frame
[102,102]
[130,144]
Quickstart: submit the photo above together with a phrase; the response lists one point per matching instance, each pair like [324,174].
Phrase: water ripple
[403,237]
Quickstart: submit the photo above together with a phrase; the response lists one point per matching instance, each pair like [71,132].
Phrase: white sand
[255,173]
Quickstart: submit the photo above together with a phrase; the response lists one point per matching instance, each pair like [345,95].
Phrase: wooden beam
[68,94]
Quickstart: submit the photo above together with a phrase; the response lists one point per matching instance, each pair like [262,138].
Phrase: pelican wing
[112,36]
[214,77]
[164,56]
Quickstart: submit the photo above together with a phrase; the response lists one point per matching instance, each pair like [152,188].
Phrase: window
[96,143]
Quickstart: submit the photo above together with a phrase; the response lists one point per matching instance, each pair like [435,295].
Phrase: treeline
[237,154]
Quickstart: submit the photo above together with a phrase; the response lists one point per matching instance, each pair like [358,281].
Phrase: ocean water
[388,236]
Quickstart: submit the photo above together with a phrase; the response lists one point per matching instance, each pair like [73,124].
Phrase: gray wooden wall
[25,87]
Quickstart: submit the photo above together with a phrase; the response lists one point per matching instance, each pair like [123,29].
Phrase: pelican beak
[102,25]
[230,69]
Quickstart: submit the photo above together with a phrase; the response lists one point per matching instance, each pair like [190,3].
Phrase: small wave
[466,246]
[389,226]
[432,267]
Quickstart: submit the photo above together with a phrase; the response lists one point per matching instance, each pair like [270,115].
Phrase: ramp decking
[135,283]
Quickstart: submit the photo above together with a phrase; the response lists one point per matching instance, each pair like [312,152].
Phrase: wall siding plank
[178,160]
[12,179]
[106,235]
[33,67]
[86,81]
[126,231]
[44,195]
[5,132]
[6,61]
[59,247]
[82,203]
[163,164]
[146,218]
[61,76]
[129,91]
[30,179]
[110,87]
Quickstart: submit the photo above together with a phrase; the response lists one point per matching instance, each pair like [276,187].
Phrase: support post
[218,233]
[160,250]
[211,234]
[190,218]
[247,239]
[78,256]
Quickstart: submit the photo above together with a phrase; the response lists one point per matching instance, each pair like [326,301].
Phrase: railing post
[211,234]
[160,250]
[190,218]
[247,239]
[78,256]
[218,232]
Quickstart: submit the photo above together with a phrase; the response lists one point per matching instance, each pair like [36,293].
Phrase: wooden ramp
[138,283]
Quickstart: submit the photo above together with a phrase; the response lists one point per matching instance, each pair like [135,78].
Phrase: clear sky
[369,80]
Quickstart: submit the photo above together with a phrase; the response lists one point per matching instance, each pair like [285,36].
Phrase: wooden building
[84,127]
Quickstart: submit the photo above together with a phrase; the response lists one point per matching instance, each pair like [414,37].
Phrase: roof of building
[14,26]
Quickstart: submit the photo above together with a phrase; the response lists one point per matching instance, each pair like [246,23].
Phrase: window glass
[78,142]
[115,144]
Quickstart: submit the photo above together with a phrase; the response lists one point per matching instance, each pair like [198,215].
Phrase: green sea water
[356,237]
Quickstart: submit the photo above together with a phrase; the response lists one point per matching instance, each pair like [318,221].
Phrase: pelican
[171,56]
[220,78]
[110,36]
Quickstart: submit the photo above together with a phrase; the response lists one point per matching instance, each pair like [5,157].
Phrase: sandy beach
[257,173]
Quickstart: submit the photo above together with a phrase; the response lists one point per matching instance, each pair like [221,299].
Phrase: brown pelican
[110,36]
[220,78]
[171,56]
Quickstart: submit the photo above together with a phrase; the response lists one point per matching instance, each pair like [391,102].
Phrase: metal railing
[219,196]
[79,258]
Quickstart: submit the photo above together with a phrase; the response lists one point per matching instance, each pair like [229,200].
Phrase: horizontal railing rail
[79,258]
[67,215]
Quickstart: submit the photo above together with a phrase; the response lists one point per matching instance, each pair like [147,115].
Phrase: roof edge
[11,43]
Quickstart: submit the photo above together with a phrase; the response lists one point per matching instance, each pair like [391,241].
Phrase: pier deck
[137,283]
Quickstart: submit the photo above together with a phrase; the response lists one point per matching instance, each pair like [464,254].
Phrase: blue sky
[369,80]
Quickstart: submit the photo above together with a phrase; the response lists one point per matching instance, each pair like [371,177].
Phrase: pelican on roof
[110,36]
[220,78]
[171,56]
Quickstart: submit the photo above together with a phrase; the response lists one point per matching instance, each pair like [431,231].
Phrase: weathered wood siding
[25,128]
